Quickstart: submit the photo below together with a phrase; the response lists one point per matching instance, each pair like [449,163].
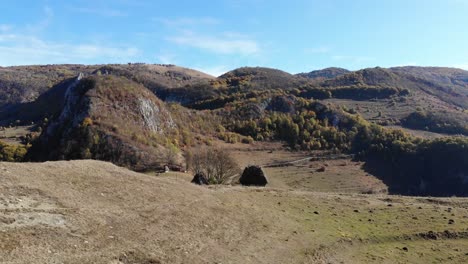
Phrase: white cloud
[44,23]
[224,44]
[7,37]
[100,11]
[22,46]
[24,50]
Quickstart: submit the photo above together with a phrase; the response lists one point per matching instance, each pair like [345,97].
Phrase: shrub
[216,164]
[12,153]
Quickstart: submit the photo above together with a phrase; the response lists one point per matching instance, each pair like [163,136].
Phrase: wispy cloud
[23,49]
[107,12]
[5,28]
[222,44]
[44,22]
[23,45]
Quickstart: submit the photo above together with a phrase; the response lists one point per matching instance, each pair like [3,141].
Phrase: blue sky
[217,36]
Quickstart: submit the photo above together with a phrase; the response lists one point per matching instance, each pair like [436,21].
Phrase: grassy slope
[434,90]
[427,92]
[455,79]
[116,110]
[95,212]
[324,74]
[12,135]
[125,123]
[341,175]
[259,78]
[25,83]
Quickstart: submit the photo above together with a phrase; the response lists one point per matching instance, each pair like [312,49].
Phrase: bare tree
[171,155]
[216,164]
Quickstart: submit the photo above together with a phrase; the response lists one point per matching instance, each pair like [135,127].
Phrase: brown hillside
[115,119]
[455,78]
[259,78]
[25,83]
[95,212]
[324,74]
[401,79]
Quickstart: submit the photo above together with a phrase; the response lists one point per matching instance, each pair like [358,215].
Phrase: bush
[247,140]
[216,164]
[12,153]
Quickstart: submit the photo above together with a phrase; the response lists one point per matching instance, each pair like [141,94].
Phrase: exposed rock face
[71,105]
[253,176]
[152,116]
[107,118]
[200,179]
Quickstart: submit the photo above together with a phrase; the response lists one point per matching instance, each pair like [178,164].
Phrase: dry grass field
[11,135]
[307,171]
[95,212]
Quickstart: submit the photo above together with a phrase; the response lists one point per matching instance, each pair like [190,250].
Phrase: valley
[362,167]
[234,132]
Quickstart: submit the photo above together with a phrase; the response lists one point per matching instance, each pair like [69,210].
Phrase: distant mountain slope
[259,78]
[371,76]
[441,75]
[376,93]
[115,119]
[26,83]
[449,83]
[324,74]
[403,80]
[216,92]
[157,78]
[48,104]
[22,84]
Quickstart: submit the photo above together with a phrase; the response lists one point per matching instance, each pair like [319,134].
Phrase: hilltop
[335,158]
[21,84]
[146,116]
[113,118]
[428,104]
[324,74]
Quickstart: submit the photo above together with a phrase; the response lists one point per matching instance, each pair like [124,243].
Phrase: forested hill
[21,84]
[147,116]
[324,74]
